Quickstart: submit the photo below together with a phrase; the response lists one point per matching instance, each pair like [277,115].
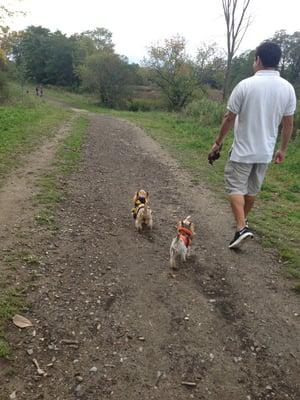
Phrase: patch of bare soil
[112,322]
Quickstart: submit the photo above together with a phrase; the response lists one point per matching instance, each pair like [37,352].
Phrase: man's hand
[214,153]
[279,157]
[286,133]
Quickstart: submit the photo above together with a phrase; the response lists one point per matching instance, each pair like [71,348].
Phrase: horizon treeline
[88,61]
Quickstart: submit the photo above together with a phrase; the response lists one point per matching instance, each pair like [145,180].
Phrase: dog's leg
[172,260]
[138,222]
[188,252]
[173,254]
[150,223]
[184,254]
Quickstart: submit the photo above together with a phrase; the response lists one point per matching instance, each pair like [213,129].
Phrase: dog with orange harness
[180,246]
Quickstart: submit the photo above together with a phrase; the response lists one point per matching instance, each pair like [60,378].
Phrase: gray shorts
[242,178]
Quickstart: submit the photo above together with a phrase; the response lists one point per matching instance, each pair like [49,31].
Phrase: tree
[241,68]
[210,66]
[290,61]
[46,56]
[33,50]
[237,23]
[109,76]
[3,81]
[101,38]
[59,67]
[172,71]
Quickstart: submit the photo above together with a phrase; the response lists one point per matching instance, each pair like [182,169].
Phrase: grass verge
[52,185]
[23,127]
[52,191]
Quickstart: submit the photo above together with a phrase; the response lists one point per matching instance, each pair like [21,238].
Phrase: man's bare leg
[238,203]
[249,202]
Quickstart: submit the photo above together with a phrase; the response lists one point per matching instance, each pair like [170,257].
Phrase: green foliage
[47,57]
[146,105]
[4,92]
[241,68]
[171,69]
[290,62]
[210,66]
[205,111]
[101,39]
[109,76]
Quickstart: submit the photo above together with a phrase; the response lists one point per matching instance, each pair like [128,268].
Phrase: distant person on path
[37,91]
[256,108]
[41,90]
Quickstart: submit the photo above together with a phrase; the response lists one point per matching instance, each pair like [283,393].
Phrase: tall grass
[207,112]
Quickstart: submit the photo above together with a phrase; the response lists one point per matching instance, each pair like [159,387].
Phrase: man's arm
[227,124]
[287,123]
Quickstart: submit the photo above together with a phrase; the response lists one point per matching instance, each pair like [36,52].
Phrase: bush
[297,121]
[3,88]
[207,112]
[146,105]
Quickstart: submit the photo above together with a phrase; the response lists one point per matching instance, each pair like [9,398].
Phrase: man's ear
[258,61]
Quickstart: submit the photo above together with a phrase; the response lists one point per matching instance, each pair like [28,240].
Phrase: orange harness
[185,234]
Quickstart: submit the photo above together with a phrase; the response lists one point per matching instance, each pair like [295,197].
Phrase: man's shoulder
[246,82]
[285,82]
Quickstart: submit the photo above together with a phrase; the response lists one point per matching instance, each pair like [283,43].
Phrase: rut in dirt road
[111,321]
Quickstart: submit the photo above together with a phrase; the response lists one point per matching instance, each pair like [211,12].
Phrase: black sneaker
[239,237]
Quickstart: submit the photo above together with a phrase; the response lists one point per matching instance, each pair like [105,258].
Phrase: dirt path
[111,322]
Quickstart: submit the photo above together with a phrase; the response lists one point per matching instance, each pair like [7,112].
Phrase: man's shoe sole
[237,243]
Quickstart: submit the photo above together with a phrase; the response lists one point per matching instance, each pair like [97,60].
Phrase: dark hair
[269,54]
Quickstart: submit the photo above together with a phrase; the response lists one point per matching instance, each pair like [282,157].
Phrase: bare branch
[235,31]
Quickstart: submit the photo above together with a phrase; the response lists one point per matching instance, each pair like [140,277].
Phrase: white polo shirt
[260,102]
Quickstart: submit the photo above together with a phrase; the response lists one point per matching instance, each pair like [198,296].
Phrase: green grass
[23,127]
[52,189]
[11,301]
[277,214]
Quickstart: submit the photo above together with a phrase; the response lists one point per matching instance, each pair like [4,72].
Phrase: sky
[136,24]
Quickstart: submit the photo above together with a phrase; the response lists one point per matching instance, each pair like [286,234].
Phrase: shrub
[146,105]
[297,121]
[208,112]
[3,88]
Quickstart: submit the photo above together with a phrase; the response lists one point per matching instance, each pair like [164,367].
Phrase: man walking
[256,108]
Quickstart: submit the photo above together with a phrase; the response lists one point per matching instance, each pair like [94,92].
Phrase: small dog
[180,246]
[142,212]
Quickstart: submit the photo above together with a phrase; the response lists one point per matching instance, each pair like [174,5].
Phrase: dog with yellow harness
[141,211]
[181,244]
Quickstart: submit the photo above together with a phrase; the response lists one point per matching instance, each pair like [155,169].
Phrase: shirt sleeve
[291,104]
[236,99]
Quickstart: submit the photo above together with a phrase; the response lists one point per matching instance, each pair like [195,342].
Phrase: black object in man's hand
[214,155]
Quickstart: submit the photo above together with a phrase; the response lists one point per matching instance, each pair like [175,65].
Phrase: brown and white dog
[142,212]
[180,246]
